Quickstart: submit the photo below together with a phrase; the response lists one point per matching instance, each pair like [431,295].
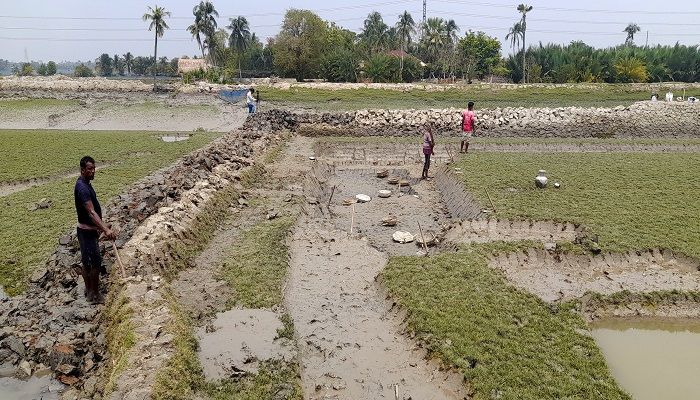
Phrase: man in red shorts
[468,126]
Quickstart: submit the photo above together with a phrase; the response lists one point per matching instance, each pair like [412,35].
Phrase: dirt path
[351,341]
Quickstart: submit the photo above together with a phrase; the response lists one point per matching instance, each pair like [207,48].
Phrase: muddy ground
[182,113]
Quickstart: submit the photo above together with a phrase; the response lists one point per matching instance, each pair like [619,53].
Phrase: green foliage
[340,65]
[51,68]
[25,70]
[42,70]
[82,71]
[624,198]
[579,62]
[379,68]
[478,54]
[28,237]
[274,380]
[119,338]
[300,44]
[257,266]
[508,343]
[631,69]
[104,65]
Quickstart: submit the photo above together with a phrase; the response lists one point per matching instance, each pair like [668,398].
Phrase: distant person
[250,100]
[468,126]
[90,225]
[428,147]
[654,97]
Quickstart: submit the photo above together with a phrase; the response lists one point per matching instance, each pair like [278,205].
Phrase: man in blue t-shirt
[90,225]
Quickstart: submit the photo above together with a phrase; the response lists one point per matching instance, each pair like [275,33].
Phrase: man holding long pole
[90,225]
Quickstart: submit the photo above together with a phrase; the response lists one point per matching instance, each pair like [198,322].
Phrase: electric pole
[425,9]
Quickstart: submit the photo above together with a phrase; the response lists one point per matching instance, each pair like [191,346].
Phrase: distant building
[399,53]
[191,64]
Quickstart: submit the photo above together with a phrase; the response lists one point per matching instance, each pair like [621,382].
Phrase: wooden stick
[331,197]
[449,153]
[425,245]
[119,260]
[490,201]
[352,219]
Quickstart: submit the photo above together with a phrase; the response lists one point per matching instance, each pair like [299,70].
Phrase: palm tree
[514,35]
[128,62]
[434,37]
[157,17]
[204,24]
[524,9]
[375,32]
[451,30]
[240,36]
[405,27]
[631,29]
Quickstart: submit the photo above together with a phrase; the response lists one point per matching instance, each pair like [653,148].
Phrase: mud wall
[643,119]
[52,326]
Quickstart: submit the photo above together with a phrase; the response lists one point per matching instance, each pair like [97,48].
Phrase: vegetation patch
[257,265]
[592,301]
[182,376]
[508,343]
[485,97]
[630,200]
[273,381]
[120,338]
[28,237]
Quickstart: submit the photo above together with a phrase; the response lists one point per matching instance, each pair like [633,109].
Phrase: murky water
[174,138]
[44,388]
[652,358]
[2,293]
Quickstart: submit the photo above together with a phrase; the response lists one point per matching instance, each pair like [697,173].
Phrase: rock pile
[52,324]
[643,119]
[61,83]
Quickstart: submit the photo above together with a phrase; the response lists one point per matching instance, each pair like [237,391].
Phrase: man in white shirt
[250,100]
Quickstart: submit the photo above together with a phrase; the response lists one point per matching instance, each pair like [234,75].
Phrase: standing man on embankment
[250,100]
[468,126]
[90,225]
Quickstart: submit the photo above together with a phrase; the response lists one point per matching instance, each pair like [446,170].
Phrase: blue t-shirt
[83,193]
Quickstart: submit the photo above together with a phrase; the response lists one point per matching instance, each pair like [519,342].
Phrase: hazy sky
[83,29]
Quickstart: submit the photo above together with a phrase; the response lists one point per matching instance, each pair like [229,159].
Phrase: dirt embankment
[670,120]
[119,111]
[52,325]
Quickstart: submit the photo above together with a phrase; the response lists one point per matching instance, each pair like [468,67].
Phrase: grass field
[631,200]
[28,237]
[485,97]
[507,343]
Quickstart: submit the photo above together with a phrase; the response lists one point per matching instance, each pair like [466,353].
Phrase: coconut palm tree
[631,29]
[405,27]
[128,62]
[524,9]
[375,33]
[240,37]
[514,35]
[204,24]
[434,37]
[157,17]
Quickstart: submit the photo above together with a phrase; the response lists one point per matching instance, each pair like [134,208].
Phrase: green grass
[30,154]
[376,140]
[29,104]
[508,343]
[256,267]
[28,237]
[182,375]
[630,200]
[120,338]
[484,96]
[274,380]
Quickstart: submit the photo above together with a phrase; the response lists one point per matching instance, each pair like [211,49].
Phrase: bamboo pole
[490,201]
[425,245]
[352,219]
[119,260]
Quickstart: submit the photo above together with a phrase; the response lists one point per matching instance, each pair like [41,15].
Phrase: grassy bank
[257,265]
[507,343]
[631,200]
[484,96]
[28,237]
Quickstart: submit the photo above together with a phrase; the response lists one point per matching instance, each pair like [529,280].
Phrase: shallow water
[2,293]
[44,388]
[174,138]
[652,358]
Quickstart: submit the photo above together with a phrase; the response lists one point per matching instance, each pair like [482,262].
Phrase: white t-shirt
[249,98]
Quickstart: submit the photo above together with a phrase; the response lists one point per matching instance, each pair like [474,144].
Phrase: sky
[73,30]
